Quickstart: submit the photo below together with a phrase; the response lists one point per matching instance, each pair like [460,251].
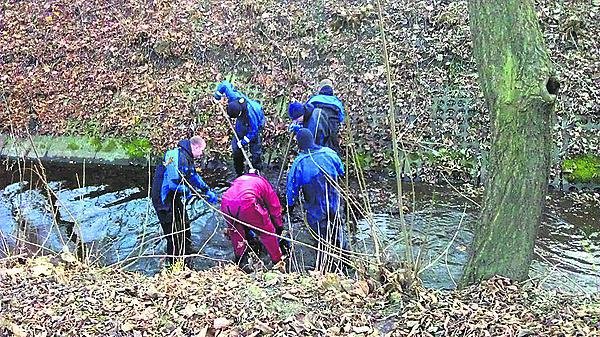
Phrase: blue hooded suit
[249,122]
[314,171]
[168,189]
[334,109]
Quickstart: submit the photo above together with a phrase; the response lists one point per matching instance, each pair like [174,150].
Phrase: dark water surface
[567,251]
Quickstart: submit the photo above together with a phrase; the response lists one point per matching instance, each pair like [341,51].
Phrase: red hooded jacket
[250,189]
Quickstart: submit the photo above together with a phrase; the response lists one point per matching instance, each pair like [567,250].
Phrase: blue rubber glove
[212,197]
[189,197]
[252,234]
[294,127]
[217,95]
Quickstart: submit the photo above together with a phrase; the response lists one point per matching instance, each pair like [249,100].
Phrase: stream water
[104,214]
[566,255]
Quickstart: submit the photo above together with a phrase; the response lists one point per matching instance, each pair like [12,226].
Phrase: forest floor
[145,72]
[40,297]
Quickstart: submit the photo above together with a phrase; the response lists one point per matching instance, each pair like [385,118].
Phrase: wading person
[171,189]
[251,200]
[315,172]
[249,121]
[314,119]
[333,108]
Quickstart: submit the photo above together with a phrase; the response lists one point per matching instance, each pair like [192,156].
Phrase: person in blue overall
[314,119]
[315,171]
[249,122]
[333,107]
[171,186]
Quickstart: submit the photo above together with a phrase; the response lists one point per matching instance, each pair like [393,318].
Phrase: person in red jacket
[251,199]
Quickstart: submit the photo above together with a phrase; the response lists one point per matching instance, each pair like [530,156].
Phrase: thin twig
[392,119]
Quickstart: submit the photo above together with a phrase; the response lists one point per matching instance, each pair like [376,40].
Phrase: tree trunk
[515,74]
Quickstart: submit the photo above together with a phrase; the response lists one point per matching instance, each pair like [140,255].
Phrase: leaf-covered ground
[145,69]
[40,298]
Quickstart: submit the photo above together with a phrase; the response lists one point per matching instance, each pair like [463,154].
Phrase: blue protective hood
[256,117]
[317,161]
[186,146]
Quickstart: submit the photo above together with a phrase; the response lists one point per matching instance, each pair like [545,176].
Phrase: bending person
[252,200]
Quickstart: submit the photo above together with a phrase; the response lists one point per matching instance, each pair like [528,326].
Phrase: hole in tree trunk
[552,86]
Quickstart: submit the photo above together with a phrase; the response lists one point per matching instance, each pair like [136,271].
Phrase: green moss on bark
[512,59]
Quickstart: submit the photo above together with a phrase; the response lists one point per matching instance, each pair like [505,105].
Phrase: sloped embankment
[39,297]
[145,70]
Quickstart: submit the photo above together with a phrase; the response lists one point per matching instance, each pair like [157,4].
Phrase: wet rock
[107,227]
[37,225]
[8,227]
[113,228]
[208,238]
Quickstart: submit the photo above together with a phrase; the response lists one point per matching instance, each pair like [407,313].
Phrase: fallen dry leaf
[221,323]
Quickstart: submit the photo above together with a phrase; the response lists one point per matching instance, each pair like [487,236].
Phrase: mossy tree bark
[516,76]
